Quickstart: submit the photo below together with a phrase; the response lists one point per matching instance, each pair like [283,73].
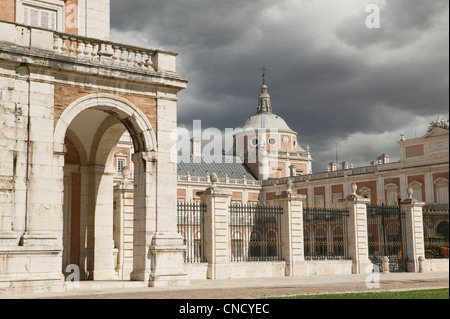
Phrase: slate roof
[222,166]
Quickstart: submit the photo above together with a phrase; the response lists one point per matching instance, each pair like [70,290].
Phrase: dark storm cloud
[402,21]
[188,23]
[332,79]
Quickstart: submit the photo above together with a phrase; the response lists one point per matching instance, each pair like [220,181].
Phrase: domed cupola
[264,118]
[264,105]
[268,146]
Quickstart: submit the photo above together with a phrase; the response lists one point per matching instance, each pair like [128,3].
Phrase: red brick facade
[66,95]
[8,10]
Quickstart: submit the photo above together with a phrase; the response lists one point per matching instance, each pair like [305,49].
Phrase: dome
[266,121]
[264,118]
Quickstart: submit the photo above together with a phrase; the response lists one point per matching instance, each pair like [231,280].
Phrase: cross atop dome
[264,104]
[264,69]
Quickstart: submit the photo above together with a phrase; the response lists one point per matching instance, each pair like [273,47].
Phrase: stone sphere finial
[410,192]
[214,179]
[354,188]
[125,172]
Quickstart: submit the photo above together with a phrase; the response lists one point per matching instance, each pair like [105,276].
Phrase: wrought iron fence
[190,217]
[386,227]
[325,233]
[435,229]
[255,232]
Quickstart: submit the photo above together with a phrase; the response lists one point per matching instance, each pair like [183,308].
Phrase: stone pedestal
[30,262]
[167,261]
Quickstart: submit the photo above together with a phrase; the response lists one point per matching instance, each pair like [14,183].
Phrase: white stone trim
[123,109]
[56,5]
[441,180]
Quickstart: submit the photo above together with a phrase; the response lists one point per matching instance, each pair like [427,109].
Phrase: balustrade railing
[94,49]
[86,48]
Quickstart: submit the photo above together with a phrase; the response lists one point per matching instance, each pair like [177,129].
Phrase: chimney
[383,159]
[332,166]
[344,165]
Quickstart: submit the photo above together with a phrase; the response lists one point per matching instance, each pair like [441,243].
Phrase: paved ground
[252,288]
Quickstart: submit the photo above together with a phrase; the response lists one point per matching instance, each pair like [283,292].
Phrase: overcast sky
[335,81]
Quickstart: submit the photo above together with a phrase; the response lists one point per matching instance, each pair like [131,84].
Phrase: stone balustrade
[94,49]
[87,49]
[223,180]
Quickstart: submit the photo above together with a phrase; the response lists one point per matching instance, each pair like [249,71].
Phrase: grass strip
[409,294]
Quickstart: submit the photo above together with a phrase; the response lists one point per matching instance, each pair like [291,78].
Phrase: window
[39,17]
[236,202]
[335,198]
[272,141]
[391,196]
[237,246]
[391,193]
[255,142]
[441,185]
[366,192]
[417,190]
[319,200]
[120,165]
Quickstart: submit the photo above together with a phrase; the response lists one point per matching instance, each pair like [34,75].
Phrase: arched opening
[93,226]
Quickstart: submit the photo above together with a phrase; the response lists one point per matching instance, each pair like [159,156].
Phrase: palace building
[423,165]
[90,189]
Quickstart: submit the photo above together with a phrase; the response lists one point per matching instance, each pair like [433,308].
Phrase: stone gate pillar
[415,244]
[357,232]
[216,223]
[292,231]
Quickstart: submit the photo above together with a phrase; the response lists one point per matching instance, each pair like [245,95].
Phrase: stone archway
[98,121]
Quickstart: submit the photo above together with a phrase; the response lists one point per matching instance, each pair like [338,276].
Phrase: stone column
[86,261]
[103,225]
[415,245]
[144,226]
[292,230]
[123,225]
[357,232]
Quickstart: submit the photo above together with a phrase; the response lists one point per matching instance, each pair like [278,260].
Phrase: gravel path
[262,287]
